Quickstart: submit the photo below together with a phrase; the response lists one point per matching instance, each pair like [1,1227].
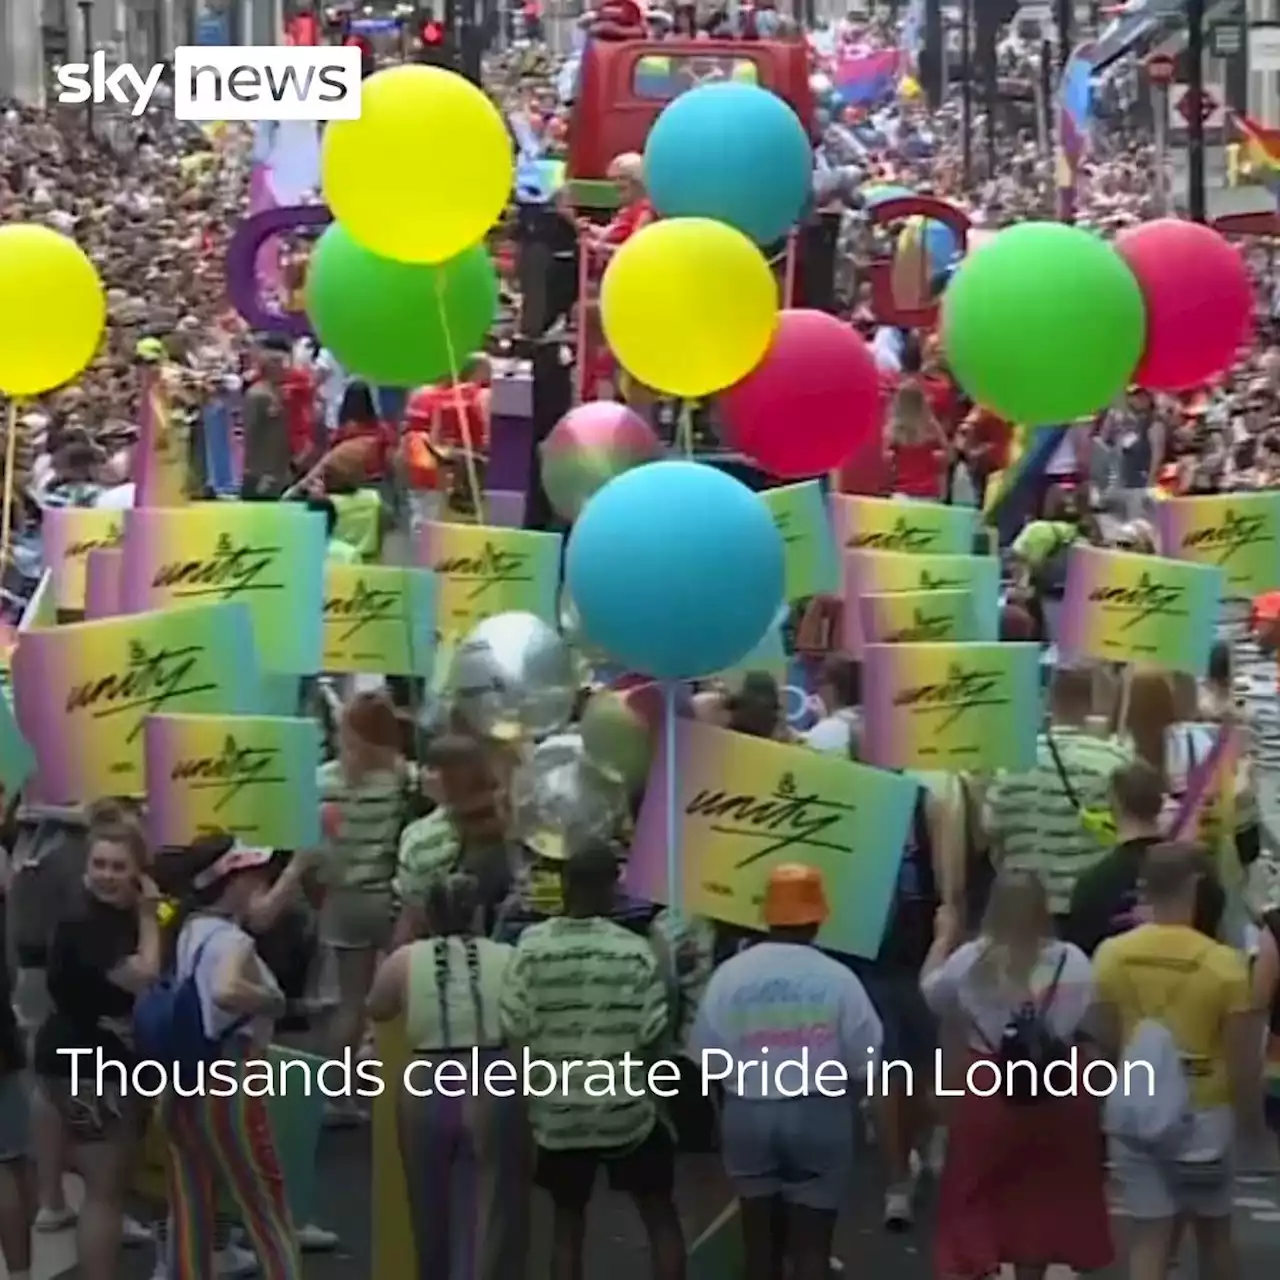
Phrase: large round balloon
[559,803]
[514,678]
[1045,325]
[811,403]
[425,171]
[398,324]
[588,447]
[1198,298]
[733,152]
[675,569]
[52,309]
[688,306]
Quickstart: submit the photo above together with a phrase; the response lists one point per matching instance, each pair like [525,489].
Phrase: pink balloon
[1199,302]
[811,403]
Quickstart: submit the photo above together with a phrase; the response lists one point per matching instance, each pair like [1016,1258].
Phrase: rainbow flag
[1010,492]
[1074,120]
[1261,147]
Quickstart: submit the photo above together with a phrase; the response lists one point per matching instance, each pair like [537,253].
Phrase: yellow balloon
[52,309]
[689,306]
[425,171]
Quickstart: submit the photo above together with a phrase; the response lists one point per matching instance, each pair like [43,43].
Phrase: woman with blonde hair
[1023,1181]
[917,445]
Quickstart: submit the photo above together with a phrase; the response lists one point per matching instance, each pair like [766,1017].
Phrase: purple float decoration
[242,256]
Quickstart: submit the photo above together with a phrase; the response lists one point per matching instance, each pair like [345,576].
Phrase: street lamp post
[1196,203]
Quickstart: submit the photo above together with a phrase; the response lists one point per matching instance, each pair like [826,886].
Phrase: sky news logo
[242,82]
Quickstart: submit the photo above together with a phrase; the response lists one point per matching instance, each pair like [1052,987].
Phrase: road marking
[1246,1202]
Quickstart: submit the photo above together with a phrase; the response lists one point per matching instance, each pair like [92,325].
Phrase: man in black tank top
[892,980]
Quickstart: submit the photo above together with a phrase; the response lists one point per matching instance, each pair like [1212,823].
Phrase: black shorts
[647,1170]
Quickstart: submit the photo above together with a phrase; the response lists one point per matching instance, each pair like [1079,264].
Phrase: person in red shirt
[298,398]
[918,451]
[634,210]
[358,420]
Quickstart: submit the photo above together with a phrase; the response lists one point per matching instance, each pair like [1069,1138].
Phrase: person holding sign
[464,1142]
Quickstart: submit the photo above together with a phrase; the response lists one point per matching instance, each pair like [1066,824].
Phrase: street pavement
[616,1246]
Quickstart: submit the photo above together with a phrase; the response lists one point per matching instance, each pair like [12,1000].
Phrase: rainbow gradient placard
[1238,533]
[482,570]
[379,618]
[950,707]
[811,565]
[744,805]
[103,568]
[81,693]
[1120,607]
[70,533]
[890,572]
[268,555]
[918,617]
[903,525]
[253,777]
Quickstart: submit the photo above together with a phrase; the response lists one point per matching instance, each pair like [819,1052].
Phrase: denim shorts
[800,1149]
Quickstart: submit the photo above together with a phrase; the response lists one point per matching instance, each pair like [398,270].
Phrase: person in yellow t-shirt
[1166,971]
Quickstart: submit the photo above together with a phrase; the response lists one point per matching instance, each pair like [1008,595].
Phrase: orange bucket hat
[795,896]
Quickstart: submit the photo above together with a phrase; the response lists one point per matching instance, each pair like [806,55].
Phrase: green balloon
[399,324]
[1043,324]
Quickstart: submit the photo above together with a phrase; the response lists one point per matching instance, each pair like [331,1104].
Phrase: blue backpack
[168,1021]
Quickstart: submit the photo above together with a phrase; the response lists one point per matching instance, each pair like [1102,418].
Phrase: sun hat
[795,896]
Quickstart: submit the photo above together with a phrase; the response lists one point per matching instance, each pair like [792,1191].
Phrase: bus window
[661,77]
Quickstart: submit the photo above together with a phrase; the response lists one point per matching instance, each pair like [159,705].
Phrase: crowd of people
[1037,914]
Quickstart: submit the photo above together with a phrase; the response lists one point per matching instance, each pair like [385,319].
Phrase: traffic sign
[1160,68]
[1226,39]
[1183,105]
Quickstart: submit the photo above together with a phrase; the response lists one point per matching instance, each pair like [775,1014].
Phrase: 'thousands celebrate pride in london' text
[628,1076]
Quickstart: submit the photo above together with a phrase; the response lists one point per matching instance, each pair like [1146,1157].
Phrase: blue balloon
[675,570]
[733,152]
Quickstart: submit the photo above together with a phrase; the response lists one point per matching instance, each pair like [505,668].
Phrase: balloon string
[10,479]
[673,853]
[473,475]
[686,426]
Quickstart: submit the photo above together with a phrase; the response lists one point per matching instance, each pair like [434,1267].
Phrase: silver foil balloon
[514,678]
[559,803]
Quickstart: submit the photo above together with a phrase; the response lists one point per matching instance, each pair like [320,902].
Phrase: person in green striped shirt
[581,993]
[1040,820]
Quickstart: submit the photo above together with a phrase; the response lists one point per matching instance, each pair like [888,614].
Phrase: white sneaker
[899,1209]
[161,1271]
[134,1233]
[315,1239]
[49,1221]
[232,1263]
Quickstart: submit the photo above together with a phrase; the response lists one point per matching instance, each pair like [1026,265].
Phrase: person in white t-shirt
[837,732]
[791,1033]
